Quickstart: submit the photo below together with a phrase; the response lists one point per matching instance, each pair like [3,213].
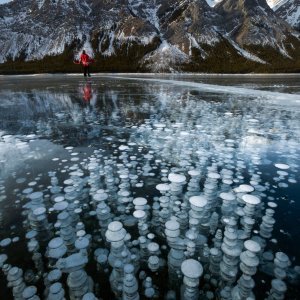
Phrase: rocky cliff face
[253,22]
[157,35]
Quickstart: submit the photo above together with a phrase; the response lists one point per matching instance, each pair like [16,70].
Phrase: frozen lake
[149,172]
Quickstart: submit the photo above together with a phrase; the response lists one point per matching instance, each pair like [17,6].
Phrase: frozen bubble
[198,201]
[140,201]
[55,159]
[245,188]
[272,204]
[123,147]
[149,292]
[252,246]
[250,199]
[139,214]
[60,206]
[59,199]
[89,296]
[282,173]
[81,233]
[29,292]
[213,175]
[27,191]
[115,226]
[176,178]
[39,211]
[98,197]
[194,173]
[150,236]
[55,288]
[3,258]
[81,243]
[282,166]
[227,196]
[159,125]
[227,181]
[31,234]
[172,225]
[20,180]
[279,285]
[32,183]
[283,185]
[153,247]
[5,242]
[54,275]
[68,181]
[292,180]
[191,268]
[56,243]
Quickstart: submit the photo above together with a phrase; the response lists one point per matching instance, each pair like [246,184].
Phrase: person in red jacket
[85,60]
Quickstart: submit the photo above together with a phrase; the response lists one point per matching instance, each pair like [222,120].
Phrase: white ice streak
[273,97]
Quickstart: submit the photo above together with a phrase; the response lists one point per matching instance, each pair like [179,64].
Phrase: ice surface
[162,167]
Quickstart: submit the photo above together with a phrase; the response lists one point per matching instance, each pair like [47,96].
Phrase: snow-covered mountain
[152,35]
[289,10]
[275,3]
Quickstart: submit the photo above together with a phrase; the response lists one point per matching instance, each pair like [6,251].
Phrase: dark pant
[86,71]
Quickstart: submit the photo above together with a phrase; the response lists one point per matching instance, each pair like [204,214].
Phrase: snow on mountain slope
[34,29]
[290,12]
[275,3]
[212,3]
[4,1]
[245,53]
[165,58]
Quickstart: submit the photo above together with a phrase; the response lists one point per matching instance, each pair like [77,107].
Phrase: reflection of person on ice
[87,92]
[85,60]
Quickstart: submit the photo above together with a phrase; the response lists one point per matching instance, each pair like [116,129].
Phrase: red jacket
[85,59]
[87,93]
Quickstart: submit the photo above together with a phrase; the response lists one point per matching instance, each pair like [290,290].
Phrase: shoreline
[100,74]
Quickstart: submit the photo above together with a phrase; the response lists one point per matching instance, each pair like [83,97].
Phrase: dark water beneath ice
[42,115]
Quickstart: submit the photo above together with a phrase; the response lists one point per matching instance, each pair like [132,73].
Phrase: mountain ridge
[153,35]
